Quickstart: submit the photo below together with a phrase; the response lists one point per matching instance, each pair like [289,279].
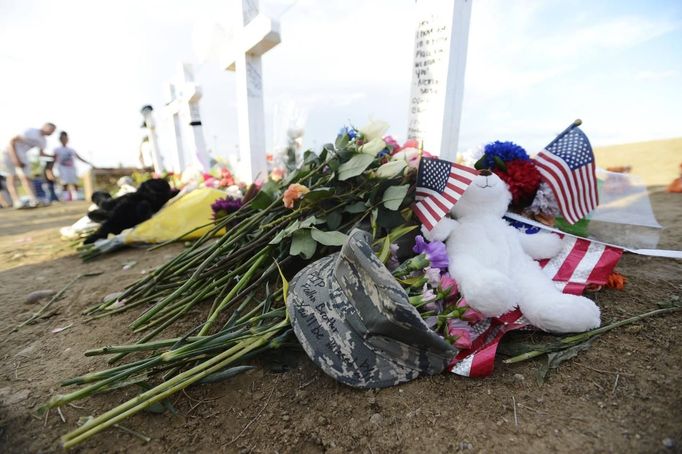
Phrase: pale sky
[533,67]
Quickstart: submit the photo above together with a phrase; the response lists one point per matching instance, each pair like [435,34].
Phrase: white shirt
[31,138]
[65,156]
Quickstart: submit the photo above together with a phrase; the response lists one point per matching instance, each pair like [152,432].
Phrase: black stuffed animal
[120,213]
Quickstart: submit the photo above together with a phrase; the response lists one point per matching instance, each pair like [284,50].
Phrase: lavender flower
[432,276]
[435,252]
[393,262]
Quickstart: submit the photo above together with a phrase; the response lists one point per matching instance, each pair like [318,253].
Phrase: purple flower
[393,262]
[431,321]
[434,306]
[435,252]
[223,207]
[432,276]
[427,294]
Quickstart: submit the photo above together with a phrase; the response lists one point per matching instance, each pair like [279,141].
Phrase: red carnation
[523,180]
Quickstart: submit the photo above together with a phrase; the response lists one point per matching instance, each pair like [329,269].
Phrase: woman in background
[65,159]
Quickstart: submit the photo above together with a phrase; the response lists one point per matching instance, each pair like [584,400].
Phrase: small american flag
[581,262]
[567,165]
[440,184]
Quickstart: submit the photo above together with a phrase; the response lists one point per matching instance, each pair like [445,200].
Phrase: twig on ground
[61,415]
[134,433]
[624,374]
[516,419]
[615,384]
[253,420]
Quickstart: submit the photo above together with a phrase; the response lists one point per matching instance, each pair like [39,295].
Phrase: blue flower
[384,152]
[507,151]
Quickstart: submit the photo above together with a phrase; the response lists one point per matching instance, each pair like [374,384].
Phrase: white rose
[375,129]
[373,147]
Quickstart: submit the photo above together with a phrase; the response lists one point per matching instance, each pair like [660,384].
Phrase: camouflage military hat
[355,321]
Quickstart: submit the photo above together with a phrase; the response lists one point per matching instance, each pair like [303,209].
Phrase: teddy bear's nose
[485,172]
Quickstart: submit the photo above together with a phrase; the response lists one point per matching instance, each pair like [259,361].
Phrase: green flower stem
[242,282]
[59,400]
[569,341]
[163,390]
[416,263]
[102,374]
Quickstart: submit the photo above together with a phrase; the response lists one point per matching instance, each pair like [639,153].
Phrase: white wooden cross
[440,51]
[150,124]
[183,104]
[259,35]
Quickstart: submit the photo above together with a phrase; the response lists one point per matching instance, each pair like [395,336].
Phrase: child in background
[65,158]
[50,180]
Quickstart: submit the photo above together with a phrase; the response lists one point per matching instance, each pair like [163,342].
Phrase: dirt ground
[622,395]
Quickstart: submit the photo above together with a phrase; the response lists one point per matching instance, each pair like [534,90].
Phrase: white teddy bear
[494,263]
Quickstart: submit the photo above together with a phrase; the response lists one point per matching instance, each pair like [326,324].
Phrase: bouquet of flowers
[238,280]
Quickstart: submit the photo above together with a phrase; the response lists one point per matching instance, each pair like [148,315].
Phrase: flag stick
[573,125]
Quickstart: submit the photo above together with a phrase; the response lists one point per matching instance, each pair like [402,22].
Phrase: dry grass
[656,161]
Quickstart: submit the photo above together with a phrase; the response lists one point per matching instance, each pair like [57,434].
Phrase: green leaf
[354,166]
[480,164]
[394,196]
[262,200]
[225,374]
[499,163]
[342,141]
[354,208]
[318,194]
[373,221]
[310,157]
[334,220]
[401,231]
[332,238]
[291,228]
[389,219]
[385,252]
[310,221]
[302,244]
[554,359]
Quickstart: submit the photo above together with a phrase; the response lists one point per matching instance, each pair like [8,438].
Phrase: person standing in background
[65,160]
[14,162]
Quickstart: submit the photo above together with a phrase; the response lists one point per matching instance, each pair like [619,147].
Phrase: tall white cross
[440,51]
[183,104]
[259,35]
[150,124]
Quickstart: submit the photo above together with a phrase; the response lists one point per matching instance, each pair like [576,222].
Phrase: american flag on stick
[440,184]
[567,166]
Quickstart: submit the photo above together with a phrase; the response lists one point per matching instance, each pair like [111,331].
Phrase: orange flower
[294,192]
[616,280]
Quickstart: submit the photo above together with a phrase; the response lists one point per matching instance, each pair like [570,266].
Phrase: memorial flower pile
[238,281]
[232,288]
